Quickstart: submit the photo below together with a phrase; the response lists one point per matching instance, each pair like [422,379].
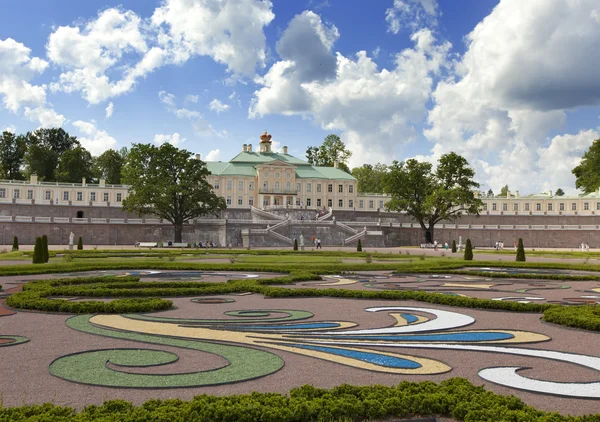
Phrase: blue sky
[508,85]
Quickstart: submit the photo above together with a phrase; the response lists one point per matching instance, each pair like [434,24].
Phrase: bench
[174,245]
[147,244]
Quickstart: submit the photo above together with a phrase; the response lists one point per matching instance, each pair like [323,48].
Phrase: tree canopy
[371,178]
[330,151]
[110,164]
[74,165]
[166,182]
[44,150]
[12,154]
[490,192]
[432,196]
[587,173]
[559,192]
[504,191]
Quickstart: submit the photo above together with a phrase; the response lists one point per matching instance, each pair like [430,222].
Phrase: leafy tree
[504,191]
[332,150]
[15,246]
[454,246]
[80,244]
[587,173]
[38,256]
[432,196]
[371,178]
[12,154]
[45,253]
[74,165]
[166,182]
[110,164]
[359,246]
[468,251]
[559,192]
[490,193]
[520,251]
[44,149]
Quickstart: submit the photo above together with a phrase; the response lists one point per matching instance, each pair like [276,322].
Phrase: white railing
[279,225]
[326,216]
[23,218]
[355,237]
[117,220]
[538,227]
[135,221]
[346,228]
[522,227]
[43,219]
[152,221]
[280,237]
[265,214]
[79,220]
[588,227]
[98,220]
[61,219]
[6,218]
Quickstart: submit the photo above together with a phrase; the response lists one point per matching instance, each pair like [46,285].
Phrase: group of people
[205,244]
[499,245]
[585,247]
[436,245]
[317,242]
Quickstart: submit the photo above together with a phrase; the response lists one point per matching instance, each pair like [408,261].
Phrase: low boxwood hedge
[586,316]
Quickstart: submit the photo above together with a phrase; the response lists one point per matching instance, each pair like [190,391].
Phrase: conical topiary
[38,257]
[520,251]
[454,246]
[45,254]
[468,251]
[295,244]
[359,246]
[80,244]
[15,244]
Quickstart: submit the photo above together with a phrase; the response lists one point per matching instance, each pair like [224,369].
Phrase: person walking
[319,243]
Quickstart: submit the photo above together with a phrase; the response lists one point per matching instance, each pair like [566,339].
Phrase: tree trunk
[178,231]
[431,231]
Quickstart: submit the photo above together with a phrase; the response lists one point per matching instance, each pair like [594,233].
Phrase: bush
[369,259]
[38,255]
[468,251]
[359,246]
[586,317]
[295,244]
[45,253]
[15,244]
[520,251]
[80,244]
[454,246]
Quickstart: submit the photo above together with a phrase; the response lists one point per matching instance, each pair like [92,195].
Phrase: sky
[511,85]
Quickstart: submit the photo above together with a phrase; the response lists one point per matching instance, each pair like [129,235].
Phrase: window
[297,187]
[586,206]
[2,193]
[381,204]
[251,186]
[29,194]
[308,202]
[371,205]
[538,207]
[598,205]
[92,196]
[251,201]
[573,206]
[309,188]
[265,201]
[277,187]
[276,175]
[65,196]
[241,185]
[119,197]
[493,207]
[318,187]
[516,206]
[329,188]
[288,175]
[351,188]
[48,195]
[266,186]
[350,203]
[217,186]
[229,200]
[288,187]
[361,204]
[549,207]
[341,203]
[341,188]
[319,203]
[105,197]
[240,200]
[504,207]
[229,185]
[527,207]
[80,196]
[561,206]
[330,203]
[16,194]
[485,207]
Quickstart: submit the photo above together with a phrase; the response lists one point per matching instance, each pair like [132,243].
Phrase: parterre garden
[164,324]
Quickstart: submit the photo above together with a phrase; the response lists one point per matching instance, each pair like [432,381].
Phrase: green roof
[230,169]
[266,157]
[313,172]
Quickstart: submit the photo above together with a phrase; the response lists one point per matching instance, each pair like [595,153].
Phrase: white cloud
[229,32]
[214,155]
[10,128]
[217,106]
[47,117]
[375,110]
[199,123]
[174,139]
[512,91]
[234,98]
[109,110]
[94,140]
[191,99]
[413,14]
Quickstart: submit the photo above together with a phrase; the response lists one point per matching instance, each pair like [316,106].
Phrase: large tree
[371,178]
[587,173]
[74,165]
[432,196]
[168,183]
[330,151]
[504,191]
[559,192]
[44,149]
[110,164]
[12,154]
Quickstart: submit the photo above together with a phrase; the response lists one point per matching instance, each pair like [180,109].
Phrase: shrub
[15,244]
[454,246]
[38,256]
[369,259]
[359,246]
[520,251]
[295,244]
[468,251]
[45,253]
[80,244]
[171,258]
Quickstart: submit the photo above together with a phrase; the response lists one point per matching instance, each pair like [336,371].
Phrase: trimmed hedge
[80,244]
[45,253]
[520,251]
[454,398]
[15,246]
[586,317]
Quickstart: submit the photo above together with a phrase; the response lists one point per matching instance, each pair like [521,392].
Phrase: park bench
[147,244]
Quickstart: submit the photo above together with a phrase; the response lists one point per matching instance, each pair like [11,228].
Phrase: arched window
[287,186]
[266,186]
[277,186]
